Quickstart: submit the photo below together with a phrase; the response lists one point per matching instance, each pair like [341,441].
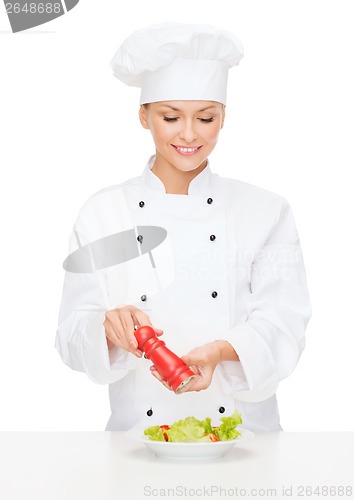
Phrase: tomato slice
[165,428]
[213,437]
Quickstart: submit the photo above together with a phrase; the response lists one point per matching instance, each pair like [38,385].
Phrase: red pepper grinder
[169,365]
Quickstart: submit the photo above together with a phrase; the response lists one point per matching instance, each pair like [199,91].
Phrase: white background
[69,128]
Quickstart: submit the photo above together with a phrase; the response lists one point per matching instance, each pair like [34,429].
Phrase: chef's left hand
[203,360]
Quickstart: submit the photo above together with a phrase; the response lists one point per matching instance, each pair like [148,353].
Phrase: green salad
[192,430]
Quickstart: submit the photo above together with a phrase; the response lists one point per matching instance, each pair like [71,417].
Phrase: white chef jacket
[225,236]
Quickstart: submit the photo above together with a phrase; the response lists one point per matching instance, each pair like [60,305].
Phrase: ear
[143,116]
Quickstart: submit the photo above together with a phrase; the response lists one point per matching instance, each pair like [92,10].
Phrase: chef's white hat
[172,61]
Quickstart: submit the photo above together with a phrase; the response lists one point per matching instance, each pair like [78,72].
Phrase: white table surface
[108,465]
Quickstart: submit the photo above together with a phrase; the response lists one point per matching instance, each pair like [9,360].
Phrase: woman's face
[184,132]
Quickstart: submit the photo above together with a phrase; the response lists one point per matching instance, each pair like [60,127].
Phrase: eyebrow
[198,111]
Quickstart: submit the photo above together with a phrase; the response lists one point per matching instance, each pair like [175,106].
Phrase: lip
[183,150]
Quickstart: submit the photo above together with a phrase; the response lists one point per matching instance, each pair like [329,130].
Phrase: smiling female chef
[212,263]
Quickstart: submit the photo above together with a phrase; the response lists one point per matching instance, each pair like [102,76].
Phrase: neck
[176,181]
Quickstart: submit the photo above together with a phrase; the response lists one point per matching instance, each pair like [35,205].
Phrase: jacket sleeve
[80,339]
[269,343]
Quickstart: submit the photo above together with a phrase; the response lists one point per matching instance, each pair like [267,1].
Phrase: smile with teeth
[186,150]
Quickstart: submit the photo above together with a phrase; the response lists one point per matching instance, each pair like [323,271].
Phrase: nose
[188,133]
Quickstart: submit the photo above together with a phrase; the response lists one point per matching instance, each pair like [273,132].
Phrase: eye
[206,120]
[169,119]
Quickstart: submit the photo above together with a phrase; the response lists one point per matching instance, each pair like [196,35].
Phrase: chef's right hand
[120,325]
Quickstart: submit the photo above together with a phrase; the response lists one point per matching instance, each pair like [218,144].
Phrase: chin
[189,166]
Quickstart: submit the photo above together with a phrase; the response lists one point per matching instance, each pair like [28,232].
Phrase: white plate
[188,451]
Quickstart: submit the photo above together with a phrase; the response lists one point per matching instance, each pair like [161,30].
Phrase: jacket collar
[200,185]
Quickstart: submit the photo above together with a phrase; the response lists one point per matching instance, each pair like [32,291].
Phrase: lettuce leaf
[227,429]
[188,430]
[206,423]
[155,433]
